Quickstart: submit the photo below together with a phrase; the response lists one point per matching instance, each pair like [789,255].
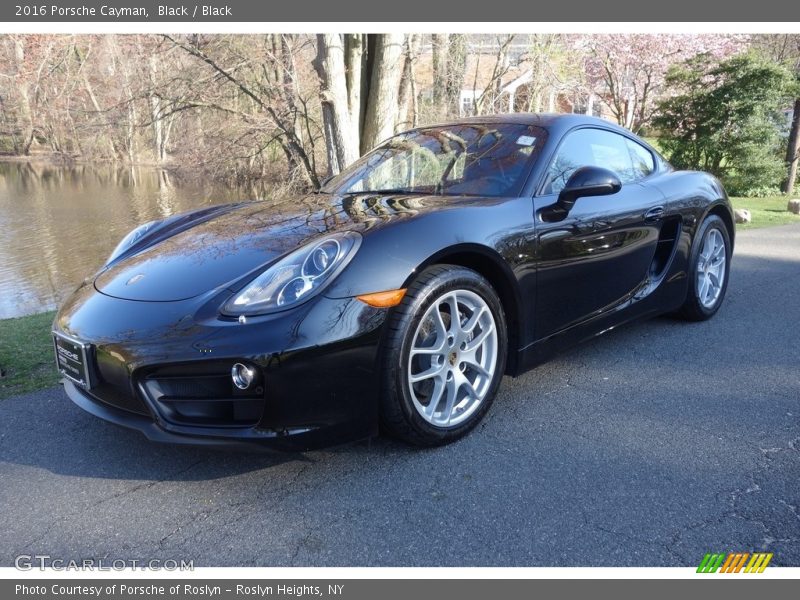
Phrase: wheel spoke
[427,374]
[709,292]
[478,368]
[467,385]
[455,319]
[478,340]
[436,398]
[451,391]
[472,322]
[425,350]
[703,288]
[439,323]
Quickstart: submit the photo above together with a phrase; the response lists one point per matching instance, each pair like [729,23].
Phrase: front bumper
[170,378]
[298,439]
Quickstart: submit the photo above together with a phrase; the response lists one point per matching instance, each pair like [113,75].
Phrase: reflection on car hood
[217,252]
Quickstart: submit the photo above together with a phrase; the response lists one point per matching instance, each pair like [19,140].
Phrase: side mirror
[588,181]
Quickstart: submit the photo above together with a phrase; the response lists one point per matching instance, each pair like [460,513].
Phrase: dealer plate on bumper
[72,359]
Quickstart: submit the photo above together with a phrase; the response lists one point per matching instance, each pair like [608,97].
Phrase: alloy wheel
[453,358]
[711,268]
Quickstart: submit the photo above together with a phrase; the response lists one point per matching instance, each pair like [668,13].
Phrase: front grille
[119,398]
[196,387]
[203,400]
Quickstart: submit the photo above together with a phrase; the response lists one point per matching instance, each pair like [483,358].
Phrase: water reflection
[59,223]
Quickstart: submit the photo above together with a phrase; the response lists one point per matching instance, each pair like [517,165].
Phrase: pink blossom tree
[628,70]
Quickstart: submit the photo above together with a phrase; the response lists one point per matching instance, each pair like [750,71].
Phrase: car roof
[554,122]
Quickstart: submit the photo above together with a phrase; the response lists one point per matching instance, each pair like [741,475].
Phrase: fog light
[243,376]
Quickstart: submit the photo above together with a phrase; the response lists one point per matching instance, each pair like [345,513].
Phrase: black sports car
[400,293]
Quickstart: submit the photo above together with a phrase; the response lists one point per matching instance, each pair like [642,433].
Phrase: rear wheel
[708,271]
[444,356]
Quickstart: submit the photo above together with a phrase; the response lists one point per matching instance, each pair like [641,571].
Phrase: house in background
[490,86]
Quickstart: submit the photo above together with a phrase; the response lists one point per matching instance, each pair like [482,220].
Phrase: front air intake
[204,400]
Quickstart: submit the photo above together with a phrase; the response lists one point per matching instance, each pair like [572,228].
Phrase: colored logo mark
[734,562]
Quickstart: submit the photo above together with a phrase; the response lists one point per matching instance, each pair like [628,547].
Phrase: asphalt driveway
[650,446]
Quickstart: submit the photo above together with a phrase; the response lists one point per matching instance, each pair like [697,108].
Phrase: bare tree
[261,98]
[407,101]
[341,125]
[486,98]
[355,61]
[384,78]
[456,69]
[29,57]
[346,97]
[440,63]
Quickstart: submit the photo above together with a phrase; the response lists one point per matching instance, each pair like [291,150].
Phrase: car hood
[177,263]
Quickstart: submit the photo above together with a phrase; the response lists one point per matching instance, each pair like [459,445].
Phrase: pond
[58,224]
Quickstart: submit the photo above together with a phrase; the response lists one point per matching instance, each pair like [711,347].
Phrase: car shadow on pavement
[45,430]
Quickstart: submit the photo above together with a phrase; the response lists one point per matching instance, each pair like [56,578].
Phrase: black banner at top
[515,11]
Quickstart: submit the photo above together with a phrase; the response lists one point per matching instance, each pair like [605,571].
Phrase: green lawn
[26,354]
[766,211]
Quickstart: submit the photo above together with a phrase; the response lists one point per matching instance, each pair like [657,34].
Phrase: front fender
[390,256]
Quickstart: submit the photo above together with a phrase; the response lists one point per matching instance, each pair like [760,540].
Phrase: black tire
[693,309]
[399,416]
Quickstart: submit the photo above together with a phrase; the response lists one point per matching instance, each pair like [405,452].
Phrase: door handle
[654,214]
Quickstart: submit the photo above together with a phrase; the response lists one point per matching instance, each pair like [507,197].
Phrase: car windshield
[483,159]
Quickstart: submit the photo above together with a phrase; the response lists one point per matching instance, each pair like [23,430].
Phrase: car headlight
[297,276]
[130,239]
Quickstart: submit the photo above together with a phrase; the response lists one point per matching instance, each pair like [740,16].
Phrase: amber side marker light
[383,299]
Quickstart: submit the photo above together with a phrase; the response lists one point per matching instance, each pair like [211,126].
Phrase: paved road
[651,446]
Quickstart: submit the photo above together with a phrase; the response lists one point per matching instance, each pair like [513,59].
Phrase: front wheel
[444,356]
[708,270]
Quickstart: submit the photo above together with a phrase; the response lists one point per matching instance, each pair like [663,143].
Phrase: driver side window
[590,148]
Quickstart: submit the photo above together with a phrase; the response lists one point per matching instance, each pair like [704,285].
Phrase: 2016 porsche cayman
[401,293]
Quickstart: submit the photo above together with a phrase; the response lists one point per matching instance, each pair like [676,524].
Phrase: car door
[599,254]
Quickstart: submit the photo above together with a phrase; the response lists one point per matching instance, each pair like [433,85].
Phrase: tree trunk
[405,101]
[440,74]
[291,92]
[170,121]
[793,150]
[93,99]
[128,99]
[354,59]
[341,135]
[155,113]
[536,101]
[25,110]
[456,67]
[384,76]
[414,99]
